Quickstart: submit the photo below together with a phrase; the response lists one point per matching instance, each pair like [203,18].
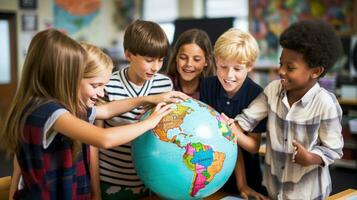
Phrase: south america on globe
[190,154]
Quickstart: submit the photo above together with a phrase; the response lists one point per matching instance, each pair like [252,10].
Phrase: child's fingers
[179,96]
[159,106]
[235,140]
[226,119]
[224,116]
[295,144]
[243,195]
[163,107]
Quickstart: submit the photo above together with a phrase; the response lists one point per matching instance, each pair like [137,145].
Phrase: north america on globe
[190,154]
[200,158]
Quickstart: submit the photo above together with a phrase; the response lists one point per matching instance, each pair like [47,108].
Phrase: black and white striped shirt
[116,167]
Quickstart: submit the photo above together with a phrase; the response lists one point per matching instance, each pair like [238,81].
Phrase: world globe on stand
[190,154]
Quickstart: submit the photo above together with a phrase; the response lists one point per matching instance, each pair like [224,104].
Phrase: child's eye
[223,66]
[197,59]
[237,69]
[182,57]
[94,85]
[290,68]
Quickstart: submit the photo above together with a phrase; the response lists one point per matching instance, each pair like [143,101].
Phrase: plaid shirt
[315,122]
[47,166]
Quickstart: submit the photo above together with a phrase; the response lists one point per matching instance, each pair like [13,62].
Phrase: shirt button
[282,167]
[228,102]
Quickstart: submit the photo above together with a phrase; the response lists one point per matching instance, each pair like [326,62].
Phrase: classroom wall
[101,31]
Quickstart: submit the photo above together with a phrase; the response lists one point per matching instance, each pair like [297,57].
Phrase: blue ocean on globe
[190,154]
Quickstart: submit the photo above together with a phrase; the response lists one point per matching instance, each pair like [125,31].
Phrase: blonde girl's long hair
[52,71]
[97,61]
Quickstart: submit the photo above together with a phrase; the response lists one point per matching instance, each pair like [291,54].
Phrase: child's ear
[127,55]
[249,67]
[317,71]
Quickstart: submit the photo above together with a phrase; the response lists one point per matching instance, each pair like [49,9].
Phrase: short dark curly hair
[316,40]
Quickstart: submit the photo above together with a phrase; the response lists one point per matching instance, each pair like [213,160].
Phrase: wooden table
[343,195]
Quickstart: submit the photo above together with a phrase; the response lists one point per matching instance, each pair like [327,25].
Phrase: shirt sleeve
[48,133]
[256,111]
[261,127]
[331,139]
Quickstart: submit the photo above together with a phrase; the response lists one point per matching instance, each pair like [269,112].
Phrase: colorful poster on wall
[269,18]
[71,16]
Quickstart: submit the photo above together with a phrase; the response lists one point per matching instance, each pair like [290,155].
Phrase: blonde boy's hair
[236,45]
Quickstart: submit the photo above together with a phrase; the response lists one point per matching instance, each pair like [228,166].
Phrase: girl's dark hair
[316,40]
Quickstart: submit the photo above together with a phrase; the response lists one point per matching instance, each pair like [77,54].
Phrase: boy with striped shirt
[145,45]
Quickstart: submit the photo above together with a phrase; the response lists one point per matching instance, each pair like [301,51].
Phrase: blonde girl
[47,127]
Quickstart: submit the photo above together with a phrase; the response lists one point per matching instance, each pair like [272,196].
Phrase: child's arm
[78,129]
[114,108]
[303,157]
[243,188]
[330,143]
[94,174]
[15,178]
[250,142]
[94,168]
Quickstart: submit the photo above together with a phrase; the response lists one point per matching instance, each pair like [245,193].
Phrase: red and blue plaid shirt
[51,173]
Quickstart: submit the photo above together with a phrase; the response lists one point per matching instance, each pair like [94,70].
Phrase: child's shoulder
[252,85]
[273,87]
[48,107]
[45,111]
[211,80]
[326,98]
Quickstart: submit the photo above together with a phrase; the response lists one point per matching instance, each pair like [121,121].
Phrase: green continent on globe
[173,120]
[205,164]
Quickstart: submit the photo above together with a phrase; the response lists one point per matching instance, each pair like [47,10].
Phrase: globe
[190,154]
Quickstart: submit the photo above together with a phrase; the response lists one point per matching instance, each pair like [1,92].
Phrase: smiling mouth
[93,99]
[148,74]
[188,71]
[229,81]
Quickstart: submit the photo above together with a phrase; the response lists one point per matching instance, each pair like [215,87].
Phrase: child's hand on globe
[235,128]
[159,112]
[169,97]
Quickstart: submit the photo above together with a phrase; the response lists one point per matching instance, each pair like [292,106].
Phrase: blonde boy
[230,92]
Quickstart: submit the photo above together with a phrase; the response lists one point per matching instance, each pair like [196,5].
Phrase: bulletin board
[269,18]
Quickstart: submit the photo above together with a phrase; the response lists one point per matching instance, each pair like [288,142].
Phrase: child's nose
[281,71]
[156,66]
[189,62]
[101,93]
[230,72]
